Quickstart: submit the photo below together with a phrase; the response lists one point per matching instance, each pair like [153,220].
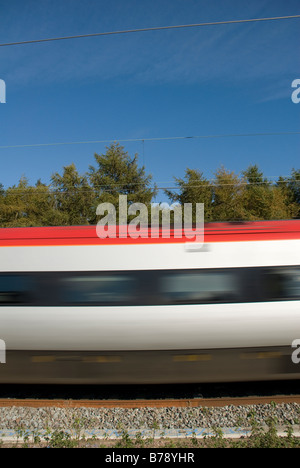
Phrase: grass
[258,437]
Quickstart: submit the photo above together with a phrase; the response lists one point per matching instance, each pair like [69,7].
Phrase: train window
[200,287]
[284,283]
[15,289]
[98,289]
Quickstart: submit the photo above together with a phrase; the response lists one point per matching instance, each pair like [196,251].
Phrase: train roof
[213,232]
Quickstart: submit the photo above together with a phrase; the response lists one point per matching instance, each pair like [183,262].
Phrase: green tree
[116,173]
[291,187]
[265,200]
[193,188]
[2,204]
[256,194]
[294,185]
[23,205]
[228,196]
[232,197]
[73,196]
[254,177]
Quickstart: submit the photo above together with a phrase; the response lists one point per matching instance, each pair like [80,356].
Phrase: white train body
[77,309]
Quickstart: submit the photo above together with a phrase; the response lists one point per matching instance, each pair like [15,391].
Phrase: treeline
[72,198]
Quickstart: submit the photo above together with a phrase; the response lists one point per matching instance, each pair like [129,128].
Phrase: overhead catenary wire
[104,188]
[155,28]
[132,140]
[140,30]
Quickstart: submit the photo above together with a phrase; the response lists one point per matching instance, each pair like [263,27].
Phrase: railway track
[153,417]
[251,393]
[164,403]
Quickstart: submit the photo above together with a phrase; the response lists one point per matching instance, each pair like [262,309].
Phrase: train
[78,309]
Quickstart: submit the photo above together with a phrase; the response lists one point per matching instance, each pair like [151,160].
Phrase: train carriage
[75,308]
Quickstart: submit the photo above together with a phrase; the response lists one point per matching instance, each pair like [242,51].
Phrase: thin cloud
[223,54]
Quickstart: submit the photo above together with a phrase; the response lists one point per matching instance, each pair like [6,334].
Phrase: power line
[157,28]
[130,140]
[93,189]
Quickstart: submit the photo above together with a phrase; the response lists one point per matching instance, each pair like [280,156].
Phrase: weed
[62,439]
[260,437]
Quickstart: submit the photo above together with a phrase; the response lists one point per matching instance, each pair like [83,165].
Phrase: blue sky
[226,79]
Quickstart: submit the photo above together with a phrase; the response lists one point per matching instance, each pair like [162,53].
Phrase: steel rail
[144,403]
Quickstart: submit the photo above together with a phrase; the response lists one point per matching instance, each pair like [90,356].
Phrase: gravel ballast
[156,421]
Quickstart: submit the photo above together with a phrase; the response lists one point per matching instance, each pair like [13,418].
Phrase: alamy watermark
[2,92]
[155,224]
[296,94]
[2,352]
[296,353]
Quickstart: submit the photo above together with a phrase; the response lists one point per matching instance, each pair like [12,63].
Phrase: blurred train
[78,309]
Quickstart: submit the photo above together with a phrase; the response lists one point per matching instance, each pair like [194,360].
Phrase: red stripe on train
[87,235]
